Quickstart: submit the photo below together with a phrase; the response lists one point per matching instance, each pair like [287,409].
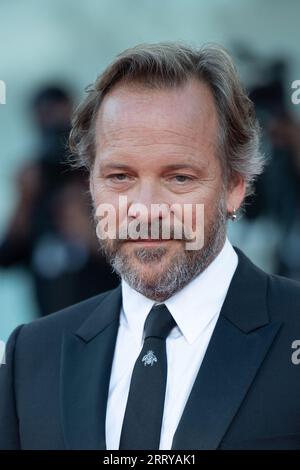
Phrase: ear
[235,192]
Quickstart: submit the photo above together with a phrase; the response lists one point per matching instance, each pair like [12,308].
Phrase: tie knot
[159,322]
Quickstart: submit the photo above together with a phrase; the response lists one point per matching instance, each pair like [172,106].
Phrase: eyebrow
[179,166]
[170,166]
[114,166]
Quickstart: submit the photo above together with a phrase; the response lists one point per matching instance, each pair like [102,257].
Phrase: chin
[150,271]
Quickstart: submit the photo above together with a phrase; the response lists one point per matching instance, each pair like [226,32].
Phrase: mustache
[158,230]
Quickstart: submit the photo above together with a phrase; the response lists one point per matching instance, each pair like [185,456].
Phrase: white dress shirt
[195,309]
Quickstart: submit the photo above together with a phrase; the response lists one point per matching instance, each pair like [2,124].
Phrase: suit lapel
[85,372]
[239,344]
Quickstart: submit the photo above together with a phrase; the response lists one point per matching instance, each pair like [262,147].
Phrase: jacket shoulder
[67,319]
[284,297]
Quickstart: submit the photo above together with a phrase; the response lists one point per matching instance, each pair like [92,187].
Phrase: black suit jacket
[54,387]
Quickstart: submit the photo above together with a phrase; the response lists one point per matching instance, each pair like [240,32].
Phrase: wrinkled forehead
[143,116]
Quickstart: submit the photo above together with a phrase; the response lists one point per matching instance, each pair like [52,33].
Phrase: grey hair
[171,64]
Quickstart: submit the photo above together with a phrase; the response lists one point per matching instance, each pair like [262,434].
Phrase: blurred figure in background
[51,231]
[278,189]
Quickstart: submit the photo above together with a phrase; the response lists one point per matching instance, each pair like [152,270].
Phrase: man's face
[154,147]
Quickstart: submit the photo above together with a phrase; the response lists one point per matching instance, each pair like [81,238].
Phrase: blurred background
[49,52]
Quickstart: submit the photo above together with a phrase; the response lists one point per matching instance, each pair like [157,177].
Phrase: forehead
[137,115]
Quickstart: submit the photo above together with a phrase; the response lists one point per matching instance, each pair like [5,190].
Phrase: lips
[150,240]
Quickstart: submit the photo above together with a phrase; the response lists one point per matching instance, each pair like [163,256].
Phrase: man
[197,348]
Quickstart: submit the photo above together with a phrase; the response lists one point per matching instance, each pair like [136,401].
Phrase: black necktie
[144,410]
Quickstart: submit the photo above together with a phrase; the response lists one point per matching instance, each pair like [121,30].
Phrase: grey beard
[182,269]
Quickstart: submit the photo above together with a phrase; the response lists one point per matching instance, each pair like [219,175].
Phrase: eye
[118,177]
[182,178]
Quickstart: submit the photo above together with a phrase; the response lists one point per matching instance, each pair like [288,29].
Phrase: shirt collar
[194,306]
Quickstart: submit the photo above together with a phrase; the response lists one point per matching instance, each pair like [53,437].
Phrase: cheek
[99,192]
[102,196]
[99,196]
[204,210]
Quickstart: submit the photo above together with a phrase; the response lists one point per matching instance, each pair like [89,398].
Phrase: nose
[142,203]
